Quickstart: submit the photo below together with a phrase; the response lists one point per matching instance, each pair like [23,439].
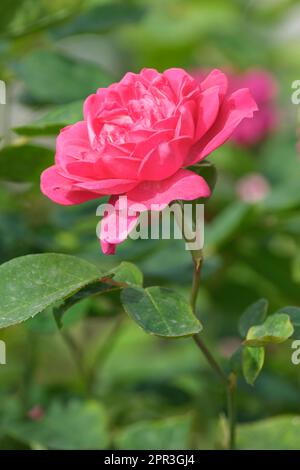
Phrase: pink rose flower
[263,88]
[252,188]
[36,413]
[139,136]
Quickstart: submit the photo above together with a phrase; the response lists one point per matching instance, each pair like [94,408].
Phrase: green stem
[195,284]
[105,349]
[73,349]
[210,359]
[229,382]
[231,388]
[75,352]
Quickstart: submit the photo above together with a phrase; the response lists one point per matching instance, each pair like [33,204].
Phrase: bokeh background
[145,392]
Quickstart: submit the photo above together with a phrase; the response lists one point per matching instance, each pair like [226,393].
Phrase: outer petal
[107,186]
[215,78]
[126,87]
[71,143]
[93,105]
[115,227]
[92,108]
[184,185]
[61,190]
[107,167]
[82,171]
[150,75]
[108,248]
[182,84]
[209,105]
[238,106]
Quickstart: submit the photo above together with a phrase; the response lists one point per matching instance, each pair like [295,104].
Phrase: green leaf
[294,314]
[24,163]
[253,361]
[255,314]
[93,288]
[51,77]
[101,18]
[128,273]
[277,433]
[276,329]
[227,224]
[9,8]
[30,284]
[160,311]
[76,312]
[166,434]
[73,426]
[283,197]
[208,171]
[54,120]
[31,16]
[235,360]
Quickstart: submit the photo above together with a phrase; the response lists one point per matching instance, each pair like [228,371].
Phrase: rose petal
[238,106]
[107,167]
[71,143]
[150,75]
[143,148]
[182,84]
[83,171]
[107,186]
[209,105]
[121,167]
[186,122]
[184,185]
[115,227]
[108,248]
[164,160]
[61,190]
[215,78]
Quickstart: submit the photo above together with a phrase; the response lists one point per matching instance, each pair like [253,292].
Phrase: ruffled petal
[84,171]
[107,167]
[187,119]
[182,84]
[71,143]
[238,106]
[215,78]
[150,75]
[115,227]
[164,160]
[184,184]
[61,189]
[143,148]
[107,186]
[209,105]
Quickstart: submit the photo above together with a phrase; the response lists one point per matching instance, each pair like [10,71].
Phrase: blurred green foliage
[143,391]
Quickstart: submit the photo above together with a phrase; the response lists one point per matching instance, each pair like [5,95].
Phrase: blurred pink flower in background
[252,188]
[264,89]
[36,413]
